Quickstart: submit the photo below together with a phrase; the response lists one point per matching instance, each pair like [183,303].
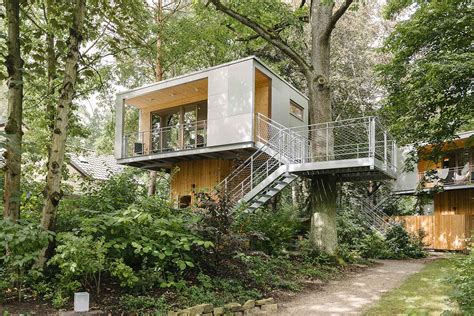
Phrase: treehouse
[242,129]
[448,183]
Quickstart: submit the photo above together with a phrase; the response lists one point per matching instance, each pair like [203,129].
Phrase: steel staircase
[284,153]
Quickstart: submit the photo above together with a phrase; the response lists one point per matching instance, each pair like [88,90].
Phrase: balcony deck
[460,177]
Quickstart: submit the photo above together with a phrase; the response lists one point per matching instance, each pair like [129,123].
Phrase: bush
[270,230]
[402,245]
[463,283]
[23,240]
[357,240]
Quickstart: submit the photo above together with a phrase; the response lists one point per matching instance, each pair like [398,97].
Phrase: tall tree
[429,75]
[315,67]
[63,110]
[13,127]
[153,175]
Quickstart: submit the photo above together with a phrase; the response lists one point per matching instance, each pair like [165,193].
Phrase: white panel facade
[230,104]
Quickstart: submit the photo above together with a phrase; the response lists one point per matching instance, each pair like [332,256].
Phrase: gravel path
[353,294]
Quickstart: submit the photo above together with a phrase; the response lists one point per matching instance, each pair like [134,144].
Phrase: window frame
[299,107]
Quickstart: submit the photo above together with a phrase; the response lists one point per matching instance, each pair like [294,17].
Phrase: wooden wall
[443,232]
[203,174]
[452,222]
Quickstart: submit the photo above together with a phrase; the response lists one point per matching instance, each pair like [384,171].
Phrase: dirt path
[352,295]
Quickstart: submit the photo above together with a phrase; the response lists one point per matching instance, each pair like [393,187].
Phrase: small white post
[81,302]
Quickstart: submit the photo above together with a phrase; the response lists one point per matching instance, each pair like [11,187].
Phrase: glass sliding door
[180,128]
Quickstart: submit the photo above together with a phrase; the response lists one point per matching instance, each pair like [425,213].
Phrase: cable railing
[166,139]
[280,145]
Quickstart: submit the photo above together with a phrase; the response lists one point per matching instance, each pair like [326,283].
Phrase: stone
[218,311]
[264,301]
[201,309]
[270,307]
[248,304]
[184,312]
[233,307]
[172,313]
[238,314]
[207,314]
[252,311]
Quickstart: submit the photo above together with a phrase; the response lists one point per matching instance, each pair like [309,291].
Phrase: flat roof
[201,73]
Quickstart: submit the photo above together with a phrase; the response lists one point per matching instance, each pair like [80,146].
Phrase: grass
[424,293]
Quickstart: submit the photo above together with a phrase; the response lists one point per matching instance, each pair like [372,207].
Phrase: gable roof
[95,166]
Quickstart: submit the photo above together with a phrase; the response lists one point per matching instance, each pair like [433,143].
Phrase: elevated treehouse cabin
[242,129]
[448,214]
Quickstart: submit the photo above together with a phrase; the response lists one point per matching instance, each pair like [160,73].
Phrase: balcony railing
[167,139]
[461,175]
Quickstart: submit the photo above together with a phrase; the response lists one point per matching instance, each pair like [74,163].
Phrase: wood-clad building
[449,215]
[200,125]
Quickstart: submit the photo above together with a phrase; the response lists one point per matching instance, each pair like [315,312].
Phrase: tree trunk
[323,192]
[159,76]
[323,234]
[13,132]
[56,157]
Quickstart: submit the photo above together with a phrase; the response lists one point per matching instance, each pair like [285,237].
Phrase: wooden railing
[444,232]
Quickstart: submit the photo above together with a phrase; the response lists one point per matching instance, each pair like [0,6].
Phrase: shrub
[402,245]
[271,230]
[463,283]
[20,245]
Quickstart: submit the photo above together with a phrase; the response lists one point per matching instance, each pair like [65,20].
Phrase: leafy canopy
[429,77]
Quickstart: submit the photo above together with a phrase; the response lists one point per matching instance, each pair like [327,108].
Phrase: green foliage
[357,241]
[428,78]
[132,303]
[215,290]
[270,230]
[402,245]
[20,245]
[81,257]
[463,283]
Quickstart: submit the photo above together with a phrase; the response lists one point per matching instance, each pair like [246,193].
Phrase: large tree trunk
[56,157]
[13,132]
[159,76]
[323,188]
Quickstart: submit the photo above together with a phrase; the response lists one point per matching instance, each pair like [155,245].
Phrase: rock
[172,313]
[238,314]
[201,309]
[218,311]
[253,311]
[270,307]
[233,307]
[248,305]
[264,301]
[184,312]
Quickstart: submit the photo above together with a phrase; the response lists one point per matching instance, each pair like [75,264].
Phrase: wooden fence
[448,232]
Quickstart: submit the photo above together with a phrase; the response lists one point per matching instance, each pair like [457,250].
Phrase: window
[296,110]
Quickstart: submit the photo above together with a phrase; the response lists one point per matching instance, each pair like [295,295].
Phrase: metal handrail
[170,138]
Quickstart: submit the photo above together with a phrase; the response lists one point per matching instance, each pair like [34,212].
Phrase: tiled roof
[96,167]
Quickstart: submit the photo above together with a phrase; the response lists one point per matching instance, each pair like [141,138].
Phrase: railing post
[372,137]
[327,141]
[225,185]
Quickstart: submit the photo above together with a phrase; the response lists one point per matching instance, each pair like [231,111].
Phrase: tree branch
[267,35]
[336,16]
